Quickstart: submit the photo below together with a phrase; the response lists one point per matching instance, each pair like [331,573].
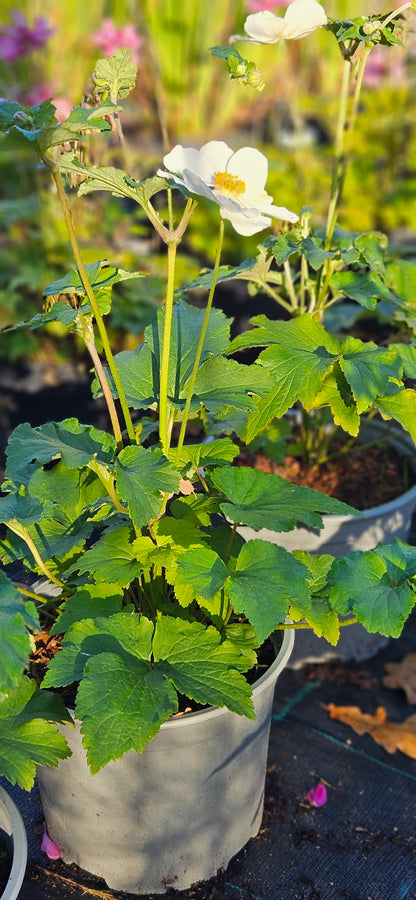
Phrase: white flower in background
[301,18]
[235,181]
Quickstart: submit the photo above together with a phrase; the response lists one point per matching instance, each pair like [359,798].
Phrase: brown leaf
[391,736]
[186,487]
[402,675]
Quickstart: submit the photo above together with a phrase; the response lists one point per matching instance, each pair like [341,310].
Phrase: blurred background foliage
[185,95]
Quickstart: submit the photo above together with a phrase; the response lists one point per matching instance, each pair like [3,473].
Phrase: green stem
[164,363]
[95,308]
[200,344]
[289,285]
[290,626]
[339,150]
[99,368]
[22,532]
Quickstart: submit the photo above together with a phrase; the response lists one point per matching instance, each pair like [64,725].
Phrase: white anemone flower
[235,181]
[301,18]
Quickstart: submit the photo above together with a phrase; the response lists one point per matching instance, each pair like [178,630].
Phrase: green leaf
[223,384]
[16,617]
[21,508]
[225,273]
[301,355]
[202,571]
[108,178]
[67,494]
[28,736]
[215,453]
[263,500]
[116,75]
[284,247]
[372,247]
[400,406]
[337,394]
[89,602]
[197,508]
[368,369]
[113,558]
[203,666]
[139,369]
[366,288]
[136,699]
[266,580]
[100,274]
[143,476]
[317,612]
[76,444]
[313,250]
[375,586]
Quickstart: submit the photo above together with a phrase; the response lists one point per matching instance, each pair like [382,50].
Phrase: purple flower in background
[318,796]
[48,845]
[20,40]
[109,39]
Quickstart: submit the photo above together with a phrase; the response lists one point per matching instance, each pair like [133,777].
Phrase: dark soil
[366,477]
[6,860]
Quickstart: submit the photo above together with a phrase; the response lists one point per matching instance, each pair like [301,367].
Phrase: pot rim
[18,834]
[190,719]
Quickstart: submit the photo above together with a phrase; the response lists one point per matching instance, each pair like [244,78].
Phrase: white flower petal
[213,157]
[264,27]
[251,166]
[181,158]
[302,17]
[279,212]
[246,224]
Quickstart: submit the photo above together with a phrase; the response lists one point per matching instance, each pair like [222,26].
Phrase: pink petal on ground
[48,845]
[318,796]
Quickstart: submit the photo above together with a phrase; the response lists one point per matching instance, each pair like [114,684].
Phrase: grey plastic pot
[175,814]
[343,534]
[12,825]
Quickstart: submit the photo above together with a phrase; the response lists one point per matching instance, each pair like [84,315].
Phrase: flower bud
[371,26]
[23,120]
[255,79]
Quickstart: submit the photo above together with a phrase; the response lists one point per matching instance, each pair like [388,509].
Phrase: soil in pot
[365,478]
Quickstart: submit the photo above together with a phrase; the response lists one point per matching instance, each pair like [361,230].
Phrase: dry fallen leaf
[390,735]
[402,675]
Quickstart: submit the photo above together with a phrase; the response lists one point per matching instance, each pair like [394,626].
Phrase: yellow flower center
[227,184]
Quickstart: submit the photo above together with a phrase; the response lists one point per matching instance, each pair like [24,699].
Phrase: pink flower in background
[109,38]
[48,845]
[379,66]
[40,92]
[318,796]
[254,6]
[20,40]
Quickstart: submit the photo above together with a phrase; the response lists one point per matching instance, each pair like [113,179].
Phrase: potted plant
[162,631]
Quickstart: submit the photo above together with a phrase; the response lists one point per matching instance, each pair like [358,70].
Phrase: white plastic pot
[11,823]
[175,814]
